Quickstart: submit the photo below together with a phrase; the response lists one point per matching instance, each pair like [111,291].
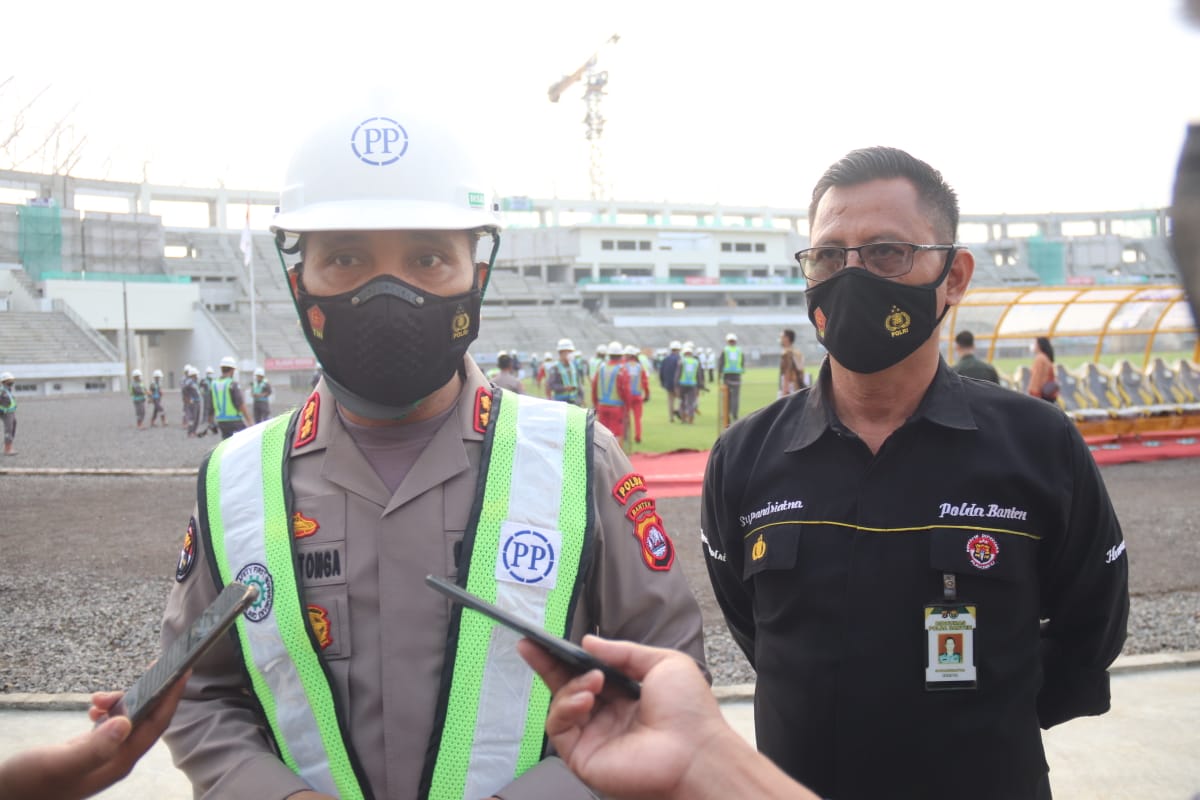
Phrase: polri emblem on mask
[898,322]
[461,324]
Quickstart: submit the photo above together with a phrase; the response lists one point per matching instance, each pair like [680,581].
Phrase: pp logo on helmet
[379,141]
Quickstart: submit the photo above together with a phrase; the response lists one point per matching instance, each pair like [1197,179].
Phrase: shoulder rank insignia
[483,409]
[306,429]
[303,526]
[625,487]
[657,549]
[187,556]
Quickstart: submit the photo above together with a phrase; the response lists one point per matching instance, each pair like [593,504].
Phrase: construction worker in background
[261,391]
[668,378]
[8,411]
[207,424]
[689,378]
[137,390]
[610,391]
[708,361]
[581,369]
[351,678]
[598,360]
[731,364]
[539,375]
[639,388]
[563,381]
[192,405]
[156,398]
[507,378]
[228,403]
[492,372]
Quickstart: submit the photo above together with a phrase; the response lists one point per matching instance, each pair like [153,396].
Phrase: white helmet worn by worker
[731,337]
[208,370]
[156,374]
[548,356]
[631,350]
[6,377]
[615,349]
[675,345]
[228,362]
[137,373]
[565,344]
[601,349]
[259,372]
[688,347]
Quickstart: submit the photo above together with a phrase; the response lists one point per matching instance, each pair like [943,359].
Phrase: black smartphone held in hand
[140,698]
[572,655]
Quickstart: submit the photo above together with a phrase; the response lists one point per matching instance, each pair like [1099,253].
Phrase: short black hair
[880,163]
[790,334]
[504,361]
[965,339]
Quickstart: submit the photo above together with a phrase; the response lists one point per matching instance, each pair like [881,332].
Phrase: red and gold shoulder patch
[318,618]
[187,556]
[640,509]
[625,487]
[306,429]
[303,526]
[483,409]
[658,551]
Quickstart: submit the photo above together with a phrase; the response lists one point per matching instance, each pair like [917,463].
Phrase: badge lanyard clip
[949,587]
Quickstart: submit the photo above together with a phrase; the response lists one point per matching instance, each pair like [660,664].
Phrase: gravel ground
[88,561]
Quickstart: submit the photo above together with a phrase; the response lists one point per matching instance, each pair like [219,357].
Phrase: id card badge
[950,648]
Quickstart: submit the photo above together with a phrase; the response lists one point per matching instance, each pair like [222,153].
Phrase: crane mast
[594,82]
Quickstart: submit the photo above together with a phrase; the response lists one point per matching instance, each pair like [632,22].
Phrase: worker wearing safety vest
[228,401]
[731,365]
[689,378]
[639,388]
[610,391]
[348,677]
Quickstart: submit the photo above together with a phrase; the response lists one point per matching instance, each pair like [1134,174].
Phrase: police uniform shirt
[972,367]
[823,557]
[362,555]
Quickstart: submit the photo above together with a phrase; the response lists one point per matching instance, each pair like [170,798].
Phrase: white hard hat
[208,370]
[688,347]
[615,349]
[565,344]
[675,345]
[156,374]
[137,373]
[193,371]
[5,377]
[631,350]
[228,362]
[601,349]
[548,356]
[260,371]
[379,166]
[731,337]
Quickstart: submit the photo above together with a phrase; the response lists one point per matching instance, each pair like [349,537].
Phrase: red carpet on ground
[680,473]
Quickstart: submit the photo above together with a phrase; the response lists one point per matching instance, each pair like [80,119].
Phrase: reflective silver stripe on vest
[243,519]
[535,489]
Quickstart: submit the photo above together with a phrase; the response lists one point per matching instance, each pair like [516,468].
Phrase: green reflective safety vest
[687,374]
[222,401]
[733,361]
[8,401]
[522,550]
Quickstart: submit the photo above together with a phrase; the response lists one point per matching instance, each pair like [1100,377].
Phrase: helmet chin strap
[357,404]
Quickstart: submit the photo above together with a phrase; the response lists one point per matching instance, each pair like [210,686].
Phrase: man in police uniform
[848,526]
[364,682]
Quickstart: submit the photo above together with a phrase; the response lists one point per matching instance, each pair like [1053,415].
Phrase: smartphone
[572,655]
[140,698]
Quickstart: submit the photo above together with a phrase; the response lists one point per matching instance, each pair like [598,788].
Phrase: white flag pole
[247,247]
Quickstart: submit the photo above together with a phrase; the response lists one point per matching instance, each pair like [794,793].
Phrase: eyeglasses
[885,259]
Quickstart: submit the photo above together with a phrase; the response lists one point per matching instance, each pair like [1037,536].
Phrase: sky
[1024,105]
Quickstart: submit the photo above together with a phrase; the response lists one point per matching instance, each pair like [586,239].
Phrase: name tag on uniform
[950,651]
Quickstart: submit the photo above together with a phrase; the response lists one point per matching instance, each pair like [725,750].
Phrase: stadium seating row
[1125,400]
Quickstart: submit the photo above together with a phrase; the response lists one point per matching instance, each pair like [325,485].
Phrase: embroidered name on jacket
[975,510]
[770,508]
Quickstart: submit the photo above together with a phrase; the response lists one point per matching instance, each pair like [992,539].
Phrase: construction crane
[596,80]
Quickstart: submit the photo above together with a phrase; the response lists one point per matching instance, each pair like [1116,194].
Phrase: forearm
[726,766]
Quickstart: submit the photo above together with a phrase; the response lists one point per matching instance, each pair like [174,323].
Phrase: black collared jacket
[823,557]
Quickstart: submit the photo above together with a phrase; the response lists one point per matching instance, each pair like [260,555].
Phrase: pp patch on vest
[528,556]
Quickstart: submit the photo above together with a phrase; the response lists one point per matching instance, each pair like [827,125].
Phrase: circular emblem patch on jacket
[256,575]
[187,556]
[982,550]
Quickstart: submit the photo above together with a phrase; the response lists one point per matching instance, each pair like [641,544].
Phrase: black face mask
[388,342]
[869,323]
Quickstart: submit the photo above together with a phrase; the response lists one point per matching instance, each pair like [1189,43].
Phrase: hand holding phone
[570,654]
[140,698]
